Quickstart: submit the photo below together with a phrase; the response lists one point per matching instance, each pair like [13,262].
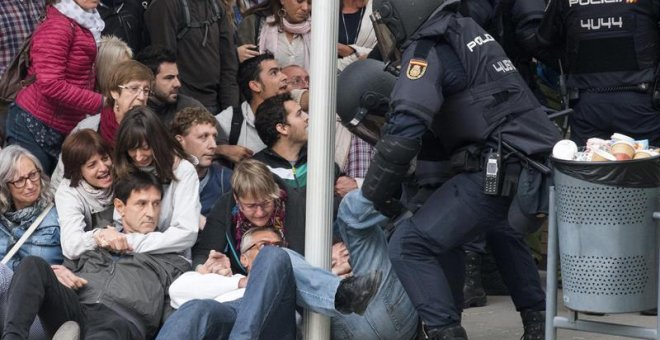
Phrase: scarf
[23,217]
[108,125]
[90,20]
[276,219]
[102,196]
[268,35]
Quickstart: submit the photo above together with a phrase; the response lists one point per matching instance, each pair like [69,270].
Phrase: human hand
[246,51]
[344,185]
[217,263]
[340,260]
[111,239]
[344,50]
[234,153]
[242,282]
[67,277]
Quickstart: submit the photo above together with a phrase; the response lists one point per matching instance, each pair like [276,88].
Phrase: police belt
[646,87]
[471,159]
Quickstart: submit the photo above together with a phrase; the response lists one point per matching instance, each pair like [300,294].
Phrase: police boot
[473,290]
[534,324]
[453,332]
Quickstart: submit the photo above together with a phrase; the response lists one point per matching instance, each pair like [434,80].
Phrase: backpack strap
[188,24]
[236,125]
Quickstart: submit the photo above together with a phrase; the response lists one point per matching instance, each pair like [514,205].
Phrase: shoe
[473,290]
[534,325]
[354,293]
[69,330]
[453,332]
[650,312]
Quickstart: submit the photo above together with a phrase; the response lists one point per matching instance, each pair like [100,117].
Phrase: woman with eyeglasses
[256,200]
[144,144]
[84,197]
[24,195]
[128,87]
[61,72]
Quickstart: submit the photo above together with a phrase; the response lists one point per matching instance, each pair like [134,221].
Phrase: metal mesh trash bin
[607,235]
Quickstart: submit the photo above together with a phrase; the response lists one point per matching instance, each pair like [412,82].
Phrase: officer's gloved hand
[388,169]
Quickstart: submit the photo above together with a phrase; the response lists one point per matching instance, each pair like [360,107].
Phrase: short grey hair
[9,160]
[246,239]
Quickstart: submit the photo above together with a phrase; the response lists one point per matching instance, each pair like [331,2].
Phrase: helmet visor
[387,43]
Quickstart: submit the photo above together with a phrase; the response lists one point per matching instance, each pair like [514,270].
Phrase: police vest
[611,43]
[496,101]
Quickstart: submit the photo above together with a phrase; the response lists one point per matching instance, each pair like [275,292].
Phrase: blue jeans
[391,314]
[266,311]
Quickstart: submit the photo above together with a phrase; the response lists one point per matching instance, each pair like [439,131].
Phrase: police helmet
[395,21]
[363,96]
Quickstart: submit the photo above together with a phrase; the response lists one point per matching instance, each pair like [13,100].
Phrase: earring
[116,107]
[281,13]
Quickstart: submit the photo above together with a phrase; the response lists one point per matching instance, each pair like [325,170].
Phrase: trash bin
[607,235]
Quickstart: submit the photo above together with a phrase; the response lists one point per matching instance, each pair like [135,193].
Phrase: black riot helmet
[395,21]
[363,97]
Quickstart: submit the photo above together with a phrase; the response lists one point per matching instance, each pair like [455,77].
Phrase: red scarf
[108,126]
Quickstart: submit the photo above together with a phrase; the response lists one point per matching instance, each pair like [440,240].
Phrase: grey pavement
[499,321]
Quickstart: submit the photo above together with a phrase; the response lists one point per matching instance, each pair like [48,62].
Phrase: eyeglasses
[33,176]
[267,204]
[298,81]
[134,89]
[262,244]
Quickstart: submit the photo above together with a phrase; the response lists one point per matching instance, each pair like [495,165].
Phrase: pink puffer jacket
[62,57]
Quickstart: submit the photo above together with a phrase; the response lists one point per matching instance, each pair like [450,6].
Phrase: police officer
[457,83]
[611,58]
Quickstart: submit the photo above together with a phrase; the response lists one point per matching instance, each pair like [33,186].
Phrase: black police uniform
[457,82]
[611,50]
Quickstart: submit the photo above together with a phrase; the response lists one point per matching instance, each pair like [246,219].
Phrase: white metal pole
[321,152]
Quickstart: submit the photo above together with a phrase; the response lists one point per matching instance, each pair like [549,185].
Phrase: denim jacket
[44,241]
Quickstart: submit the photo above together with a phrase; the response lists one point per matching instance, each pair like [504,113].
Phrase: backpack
[188,24]
[15,76]
[124,19]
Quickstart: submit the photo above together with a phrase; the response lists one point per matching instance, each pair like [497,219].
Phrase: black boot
[534,324]
[453,332]
[354,293]
[473,290]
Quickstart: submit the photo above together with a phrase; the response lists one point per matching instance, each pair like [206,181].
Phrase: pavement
[498,320]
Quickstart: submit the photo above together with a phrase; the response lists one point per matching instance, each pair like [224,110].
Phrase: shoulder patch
[416,68]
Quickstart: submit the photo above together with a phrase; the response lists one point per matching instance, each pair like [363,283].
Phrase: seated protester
[282,125]
[264,304]
[259,78]
[256,200]
[196,130]
[126,302]
[165,98]
[355,312]
[144,144]
[84,197]
[127,88]
[24,196]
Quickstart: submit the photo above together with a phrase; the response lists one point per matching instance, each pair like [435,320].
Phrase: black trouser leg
[35,290]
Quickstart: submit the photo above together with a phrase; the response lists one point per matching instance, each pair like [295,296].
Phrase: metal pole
[551,278]
[321,153]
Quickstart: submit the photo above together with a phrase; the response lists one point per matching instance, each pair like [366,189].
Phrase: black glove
[388,169]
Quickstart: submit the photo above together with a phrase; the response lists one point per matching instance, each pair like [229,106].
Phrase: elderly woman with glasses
[24,195]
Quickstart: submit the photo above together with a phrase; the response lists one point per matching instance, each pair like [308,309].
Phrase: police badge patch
[416,69]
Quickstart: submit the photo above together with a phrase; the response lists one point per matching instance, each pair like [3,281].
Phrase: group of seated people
[141,219]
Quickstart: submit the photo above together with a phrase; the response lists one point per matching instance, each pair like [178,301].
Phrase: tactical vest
[597,28]
[496,102]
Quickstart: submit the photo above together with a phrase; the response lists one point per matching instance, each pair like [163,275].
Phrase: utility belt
[646,87]
[501,167]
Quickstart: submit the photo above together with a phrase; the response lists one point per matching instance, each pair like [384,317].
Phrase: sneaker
[354,293]
[69,330]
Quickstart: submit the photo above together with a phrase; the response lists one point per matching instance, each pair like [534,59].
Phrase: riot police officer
[611,59]
[456,82]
